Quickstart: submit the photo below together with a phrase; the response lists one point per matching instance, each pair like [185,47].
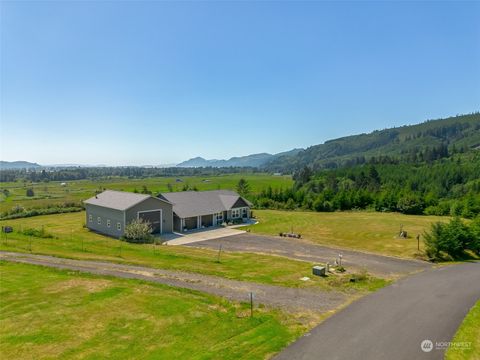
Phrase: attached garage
[154,217]
[111,211]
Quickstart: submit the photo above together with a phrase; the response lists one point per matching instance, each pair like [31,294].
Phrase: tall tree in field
[243,187]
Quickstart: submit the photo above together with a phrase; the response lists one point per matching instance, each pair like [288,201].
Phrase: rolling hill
[457,133]
[254,160]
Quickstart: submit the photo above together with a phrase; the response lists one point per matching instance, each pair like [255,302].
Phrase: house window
[235,213]
[219,217]
[99,220]
[244,212]
[108,222]
[119,226]
[90,218]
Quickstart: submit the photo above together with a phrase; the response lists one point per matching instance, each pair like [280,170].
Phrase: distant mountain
[9,165]
[254,160]
[457,133]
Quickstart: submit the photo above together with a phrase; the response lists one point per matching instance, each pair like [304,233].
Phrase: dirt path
[301,250]
[276,296]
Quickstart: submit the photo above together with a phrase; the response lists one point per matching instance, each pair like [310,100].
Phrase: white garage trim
[161,216]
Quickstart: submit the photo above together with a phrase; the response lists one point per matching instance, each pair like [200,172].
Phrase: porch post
[199,222]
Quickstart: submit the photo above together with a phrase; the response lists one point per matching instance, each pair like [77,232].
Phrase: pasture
[365,231]
[70,239]
[53,193]
[52,314]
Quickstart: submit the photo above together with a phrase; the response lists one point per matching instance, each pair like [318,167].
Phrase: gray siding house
[202,209]
[110,211]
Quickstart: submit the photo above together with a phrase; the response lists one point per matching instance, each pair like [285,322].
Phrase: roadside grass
[52,193]
[468,332]
[71,240]
[365,231]
[55,314]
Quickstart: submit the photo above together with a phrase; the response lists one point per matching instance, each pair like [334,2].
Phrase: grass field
[51,193]
[52,314]
[468,332]
[366,231]
[72,240]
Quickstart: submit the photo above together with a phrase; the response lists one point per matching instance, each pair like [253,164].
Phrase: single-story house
[110,211]
[200,209]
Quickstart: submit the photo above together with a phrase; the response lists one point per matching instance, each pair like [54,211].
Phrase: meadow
[52,314]
[53,193]
[361,230]
[70,239]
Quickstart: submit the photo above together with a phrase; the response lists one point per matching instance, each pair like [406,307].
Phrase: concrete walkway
[414,318]
[200,235]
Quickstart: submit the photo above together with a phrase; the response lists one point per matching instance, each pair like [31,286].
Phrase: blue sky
[133,83]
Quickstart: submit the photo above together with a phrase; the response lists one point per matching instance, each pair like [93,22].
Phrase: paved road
[302,250]
[278,296]
[392,323]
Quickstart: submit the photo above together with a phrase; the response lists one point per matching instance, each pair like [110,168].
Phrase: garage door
[154,217]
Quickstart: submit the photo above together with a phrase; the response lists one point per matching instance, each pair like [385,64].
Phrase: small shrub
[452,240]
[138,231]
[36,233]
[30,192]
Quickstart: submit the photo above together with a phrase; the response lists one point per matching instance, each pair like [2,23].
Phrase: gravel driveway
[302,250]
[276,296]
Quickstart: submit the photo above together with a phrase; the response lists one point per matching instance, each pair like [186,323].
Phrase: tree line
[446,186]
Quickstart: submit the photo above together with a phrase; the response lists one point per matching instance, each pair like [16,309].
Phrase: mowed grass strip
[365,231]
[53,193]
[74,241]
[466,343]
[53,314]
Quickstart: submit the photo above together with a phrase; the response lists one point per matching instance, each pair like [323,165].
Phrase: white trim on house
[152,210]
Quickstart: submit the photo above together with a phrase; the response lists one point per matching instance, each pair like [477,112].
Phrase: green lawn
[71,237]
[468,332]
[52,314]
[53,193]
[366,231]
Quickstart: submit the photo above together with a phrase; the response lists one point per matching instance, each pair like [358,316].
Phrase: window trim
[99,220]
[119,226]
[108,223]
[236,213]
[90,218]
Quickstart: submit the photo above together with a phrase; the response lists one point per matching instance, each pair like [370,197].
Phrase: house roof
[119,200]
[197,203]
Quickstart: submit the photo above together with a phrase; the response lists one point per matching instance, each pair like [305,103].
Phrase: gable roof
[197,203]
[119,200]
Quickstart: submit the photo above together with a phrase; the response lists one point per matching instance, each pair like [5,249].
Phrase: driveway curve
[393,322]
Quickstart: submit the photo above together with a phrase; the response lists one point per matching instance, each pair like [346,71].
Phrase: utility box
[318,270]
[7,229]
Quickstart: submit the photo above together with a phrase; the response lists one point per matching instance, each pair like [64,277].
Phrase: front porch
[236,216]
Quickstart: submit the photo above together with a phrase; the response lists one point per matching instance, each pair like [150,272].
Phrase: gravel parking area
[301,250]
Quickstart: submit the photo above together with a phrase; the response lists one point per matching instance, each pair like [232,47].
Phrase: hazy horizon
[152,83]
